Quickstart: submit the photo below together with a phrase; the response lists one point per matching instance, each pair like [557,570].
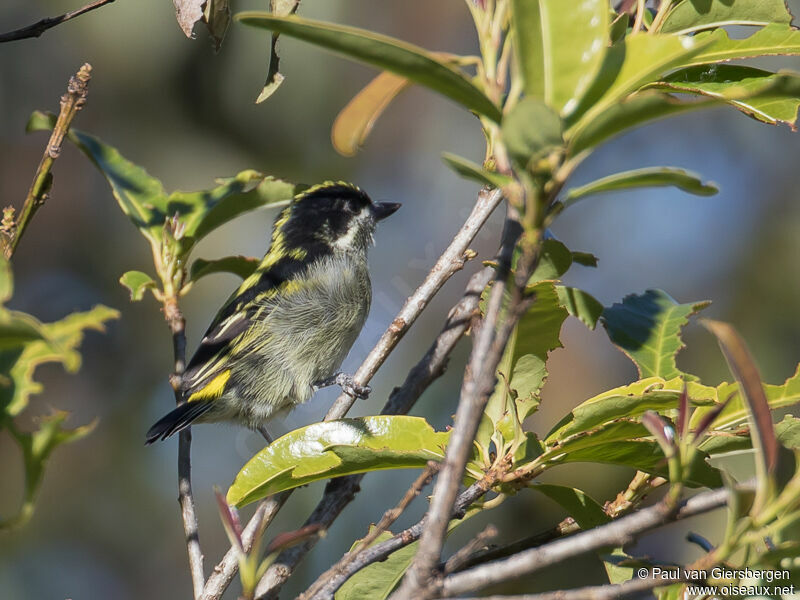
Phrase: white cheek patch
[356,225]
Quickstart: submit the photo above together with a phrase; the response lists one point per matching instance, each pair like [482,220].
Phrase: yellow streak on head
[213,389]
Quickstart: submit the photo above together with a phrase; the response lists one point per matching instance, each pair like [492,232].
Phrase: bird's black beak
[384,209]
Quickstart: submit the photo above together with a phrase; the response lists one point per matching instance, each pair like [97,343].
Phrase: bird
[286,330]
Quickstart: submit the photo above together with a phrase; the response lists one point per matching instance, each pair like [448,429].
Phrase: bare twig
[455,562]
[450,262]
[389,517]
[595,592]
[477,386]
[177,326]
[617,533]
[38,28]
[71,102]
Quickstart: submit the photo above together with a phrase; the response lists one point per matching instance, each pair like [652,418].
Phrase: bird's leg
[348,385]
[263,431]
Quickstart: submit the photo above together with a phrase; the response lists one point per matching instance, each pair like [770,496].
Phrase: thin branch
[617,533]
[389,517]
[478,384]
[634,587]
[177,326]
[38,28]
[450,262]
[71,102]
[460,558]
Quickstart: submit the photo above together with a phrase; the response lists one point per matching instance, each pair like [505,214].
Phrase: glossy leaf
[402,58]
[376,581]
[137,283]
[531,130]
[336,448]
[579,505]
[771,40]
[243,266]
[638,60]
[470,170]
[695,15]
[647,329]
[647,177]
[580,304]
[763,95]
[556,72]
[355,121]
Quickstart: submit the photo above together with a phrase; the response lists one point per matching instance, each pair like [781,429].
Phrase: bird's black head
[339,215]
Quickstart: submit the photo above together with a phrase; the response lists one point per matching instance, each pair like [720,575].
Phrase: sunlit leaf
[773,39]
[355,121]
[763,95]
[336,448]
[243,266]
[470,170]
[647,329]
[556,72]
[275,78]
[647,177]
[555,259]
[402,58]
[137,283]
[693,15]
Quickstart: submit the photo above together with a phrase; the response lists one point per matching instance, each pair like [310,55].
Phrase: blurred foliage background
[107,522]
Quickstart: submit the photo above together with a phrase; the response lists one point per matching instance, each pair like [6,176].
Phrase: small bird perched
[284,333]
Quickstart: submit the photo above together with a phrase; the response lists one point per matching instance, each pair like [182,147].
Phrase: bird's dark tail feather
[178,419]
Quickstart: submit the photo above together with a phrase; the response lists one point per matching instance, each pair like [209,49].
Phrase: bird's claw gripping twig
[348,385]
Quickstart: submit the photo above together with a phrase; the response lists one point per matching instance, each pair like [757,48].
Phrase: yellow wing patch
[213,389]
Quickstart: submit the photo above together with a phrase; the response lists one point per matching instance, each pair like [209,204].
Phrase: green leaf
[36,449]
[647,329]
[638,60]
[586,511]
[58,342]
[768,97]
[635,110]
[336,448]
[406,60]
[555,259]
[580,304]
[695,15]
[553,71]
[376,581]
[354,122]
[137,282]
[613,564]
[243,266]
[531,130]
[772,40]
[470,170]
[787,431]
[647,177]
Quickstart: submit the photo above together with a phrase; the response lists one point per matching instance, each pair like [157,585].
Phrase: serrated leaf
[336,448]
[58,343]
[647,177]
[36,447]
[647,329]
[531,130]
[470,170]
[637,60]
[384,52]
[763,95]
[243,266]
[556,72]
[354,122]
[137,283]
[690,16]
[580,304]
[586,511]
